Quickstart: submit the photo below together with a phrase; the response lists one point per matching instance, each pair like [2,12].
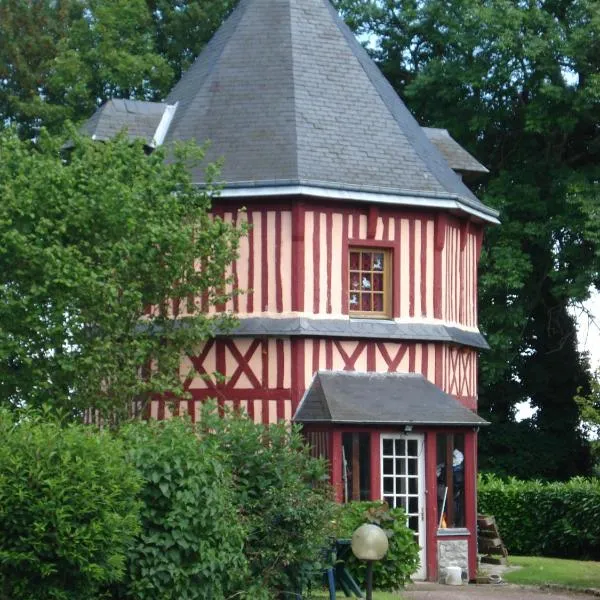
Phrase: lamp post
[369,542]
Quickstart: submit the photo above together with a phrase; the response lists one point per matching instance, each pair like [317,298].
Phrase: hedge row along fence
[545,519]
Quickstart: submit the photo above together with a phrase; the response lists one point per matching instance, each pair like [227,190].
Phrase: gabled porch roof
[349,397]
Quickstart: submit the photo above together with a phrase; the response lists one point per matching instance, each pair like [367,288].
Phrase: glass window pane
[390,501]
[354,261]
[366,261]
[366,282]
[354,281]
[365,302]
[378,261]
[378,302]
[388,485]
[412,466]
[377,282]
[413,485]
[413,523]
[401,485]
[354,301]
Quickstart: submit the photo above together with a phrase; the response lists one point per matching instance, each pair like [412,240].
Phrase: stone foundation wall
[453,553]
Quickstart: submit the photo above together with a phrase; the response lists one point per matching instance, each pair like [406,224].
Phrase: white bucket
[453,576]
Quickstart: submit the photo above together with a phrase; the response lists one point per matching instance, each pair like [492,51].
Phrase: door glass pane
[412,466]
[413,485]
[401,447]
[413,448]
[388,466]
[450,470]
[413,505]
[388,485]
[388,447]
[400,466]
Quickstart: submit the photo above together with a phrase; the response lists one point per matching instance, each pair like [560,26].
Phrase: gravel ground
[433,591]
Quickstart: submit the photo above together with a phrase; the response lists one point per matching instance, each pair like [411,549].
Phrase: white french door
[403,483]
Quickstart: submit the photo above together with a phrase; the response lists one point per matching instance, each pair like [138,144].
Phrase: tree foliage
[90,238]
[61,59]
[517,83]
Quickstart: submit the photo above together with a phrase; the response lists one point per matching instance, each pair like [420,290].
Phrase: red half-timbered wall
[294,261]
[266,377]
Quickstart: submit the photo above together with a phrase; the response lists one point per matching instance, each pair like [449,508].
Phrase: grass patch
[539,571]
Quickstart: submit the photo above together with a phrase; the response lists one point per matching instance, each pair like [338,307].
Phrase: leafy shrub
[283,497]
[67,509]
[402,558]
[545,519]
[192,540]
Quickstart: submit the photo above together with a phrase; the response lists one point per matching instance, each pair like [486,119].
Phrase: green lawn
[539,571]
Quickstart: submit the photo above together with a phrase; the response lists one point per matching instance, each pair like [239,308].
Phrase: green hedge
[192,541]
[545,519]
[68,510]
[402,558]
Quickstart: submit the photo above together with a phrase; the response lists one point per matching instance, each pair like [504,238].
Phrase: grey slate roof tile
[345,397]
[286,95]
[138,118]
[358,329]
[456,156]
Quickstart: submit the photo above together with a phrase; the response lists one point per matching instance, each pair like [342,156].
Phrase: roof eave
[435,423]
[267,189]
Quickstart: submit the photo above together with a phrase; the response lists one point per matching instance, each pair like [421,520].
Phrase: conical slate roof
[292,102]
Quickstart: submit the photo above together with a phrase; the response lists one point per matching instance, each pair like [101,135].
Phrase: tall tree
[60,59]
[517,82]
[98,248]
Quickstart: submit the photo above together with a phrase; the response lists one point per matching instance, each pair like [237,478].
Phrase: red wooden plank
[397,265]
[278,273]
[431,510]
[316,266]
[328,237]
[280,362]
[250,294]
[264,257]
[335,460]
[439,373]
[243,394]
[424,266]
[298,225]
[411,270]
[345,273]
[372,217]
[375,465]
[243,363]
[298,358]
[328,354]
